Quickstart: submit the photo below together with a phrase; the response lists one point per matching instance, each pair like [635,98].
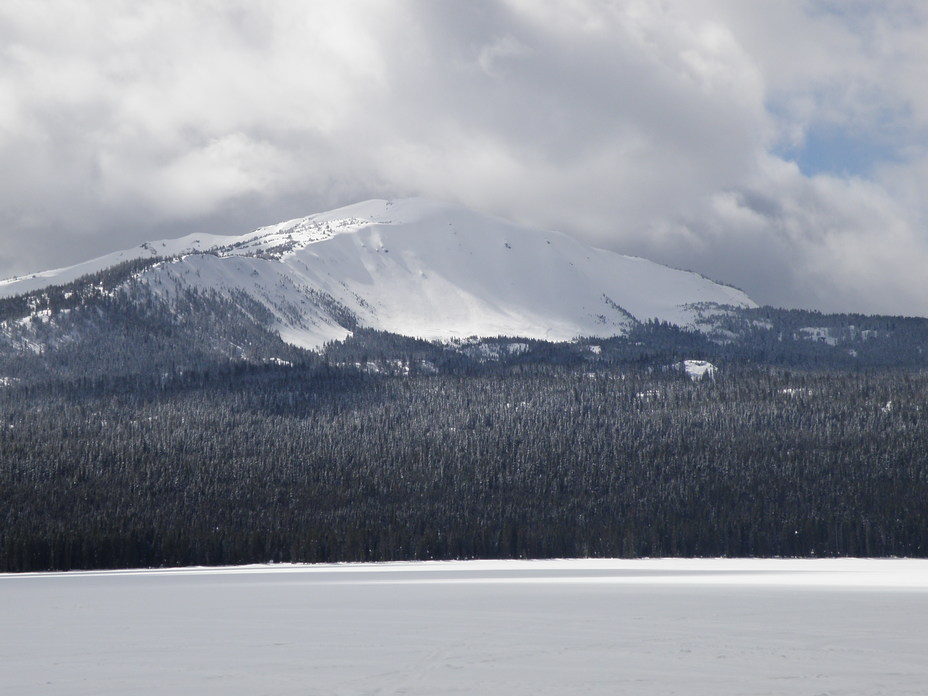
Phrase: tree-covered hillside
[328,463]
[139,429]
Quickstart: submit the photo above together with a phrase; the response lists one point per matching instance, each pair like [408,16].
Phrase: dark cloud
[649,128]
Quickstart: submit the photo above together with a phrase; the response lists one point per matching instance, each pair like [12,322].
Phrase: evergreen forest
[374,454]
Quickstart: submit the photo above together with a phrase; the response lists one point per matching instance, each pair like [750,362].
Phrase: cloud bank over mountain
[776,146]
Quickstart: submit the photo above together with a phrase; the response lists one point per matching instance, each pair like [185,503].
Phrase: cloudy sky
[777,145]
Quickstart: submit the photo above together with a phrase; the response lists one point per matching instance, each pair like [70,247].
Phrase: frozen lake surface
[797,627]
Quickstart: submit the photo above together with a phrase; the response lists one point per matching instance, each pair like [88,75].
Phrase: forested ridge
[146,430]
[515,458]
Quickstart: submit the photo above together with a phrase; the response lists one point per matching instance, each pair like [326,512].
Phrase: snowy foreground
[483,627]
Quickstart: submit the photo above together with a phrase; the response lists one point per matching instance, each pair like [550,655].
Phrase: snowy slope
[419,268]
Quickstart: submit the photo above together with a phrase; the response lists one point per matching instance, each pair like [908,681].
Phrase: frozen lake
[797,627]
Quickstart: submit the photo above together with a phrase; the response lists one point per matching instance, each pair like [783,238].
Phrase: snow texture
[424,269]
[696,627]
[697,369]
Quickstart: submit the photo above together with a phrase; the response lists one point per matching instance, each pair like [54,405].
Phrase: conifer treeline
[316,463]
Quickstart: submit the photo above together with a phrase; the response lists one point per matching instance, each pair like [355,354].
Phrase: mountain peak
[419,268]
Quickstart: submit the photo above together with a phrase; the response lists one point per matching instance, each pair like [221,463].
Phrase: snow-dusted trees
[320,463]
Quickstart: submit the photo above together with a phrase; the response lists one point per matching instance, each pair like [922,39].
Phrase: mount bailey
[412,267]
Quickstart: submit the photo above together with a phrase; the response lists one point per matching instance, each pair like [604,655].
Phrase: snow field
[723,626]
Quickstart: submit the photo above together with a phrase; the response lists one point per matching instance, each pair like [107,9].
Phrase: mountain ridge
[417,268]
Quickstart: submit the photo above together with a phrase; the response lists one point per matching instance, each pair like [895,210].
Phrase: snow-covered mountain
[417,268]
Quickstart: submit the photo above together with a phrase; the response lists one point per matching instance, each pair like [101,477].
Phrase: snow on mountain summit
[417,268]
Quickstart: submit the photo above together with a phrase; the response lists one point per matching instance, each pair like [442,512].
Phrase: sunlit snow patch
[697,369]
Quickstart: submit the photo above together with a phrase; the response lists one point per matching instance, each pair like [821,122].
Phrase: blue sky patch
[831,150]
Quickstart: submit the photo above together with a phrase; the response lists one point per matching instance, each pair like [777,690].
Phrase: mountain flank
[416,268]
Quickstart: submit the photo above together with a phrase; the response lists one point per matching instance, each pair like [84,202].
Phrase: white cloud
[200,179]
[493,57]
[650,128]
[836,244]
